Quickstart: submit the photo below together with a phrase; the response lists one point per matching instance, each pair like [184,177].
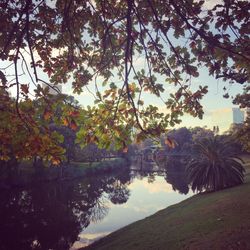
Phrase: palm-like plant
[214,166]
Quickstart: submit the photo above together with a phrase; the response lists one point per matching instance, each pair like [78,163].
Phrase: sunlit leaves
[85,41]
[170,142]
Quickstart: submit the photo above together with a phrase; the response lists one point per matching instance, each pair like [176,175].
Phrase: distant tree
[199,133]
[89,153]
[182,138]
[241,134]
[214,166]
[68,143]
[216,130]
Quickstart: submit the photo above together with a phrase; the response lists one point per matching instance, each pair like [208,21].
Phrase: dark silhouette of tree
[176,174]
[214,166]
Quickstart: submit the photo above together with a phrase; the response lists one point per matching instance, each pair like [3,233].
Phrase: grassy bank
[219,220]
[26,174]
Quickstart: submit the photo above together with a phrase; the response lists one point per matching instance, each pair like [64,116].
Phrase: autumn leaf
[65,122]
[73,125]
[55,161]
[170,142]
[49,71]
[25,88]
[125,150]
[47,114]
[74,113]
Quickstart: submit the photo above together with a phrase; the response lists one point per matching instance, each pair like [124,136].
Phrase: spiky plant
[214,166]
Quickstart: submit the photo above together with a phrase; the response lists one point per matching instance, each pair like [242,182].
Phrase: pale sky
[214,104]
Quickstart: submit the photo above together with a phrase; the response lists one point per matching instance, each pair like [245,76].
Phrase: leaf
[74,113]
[73,125]
[25,88]
[55,161]
[65,122]
[170,142]
[47,114]
[125,150]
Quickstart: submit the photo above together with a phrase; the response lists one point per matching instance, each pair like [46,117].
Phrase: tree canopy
[125,49]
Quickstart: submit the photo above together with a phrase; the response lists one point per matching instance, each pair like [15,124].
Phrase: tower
[238,116]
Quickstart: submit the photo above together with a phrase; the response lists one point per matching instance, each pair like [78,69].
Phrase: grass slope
[218,220]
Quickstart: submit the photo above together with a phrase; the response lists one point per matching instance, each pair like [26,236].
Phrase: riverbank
[219,220]
[25,174]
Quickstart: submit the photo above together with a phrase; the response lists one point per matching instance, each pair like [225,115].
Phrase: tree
[199,133]
[215,166]
[182,138]
[243,99]
[85,41]
[21,141]
[241,134]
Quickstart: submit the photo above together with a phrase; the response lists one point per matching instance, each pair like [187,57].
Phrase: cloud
[223,118]
[209,4]
[157,187]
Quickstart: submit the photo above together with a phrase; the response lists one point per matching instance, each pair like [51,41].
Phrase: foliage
[182,138]
[199,133]
[243,99]
[69,137]
[89,153]
[21,141]
[81,42]
[241,134]
[215,166]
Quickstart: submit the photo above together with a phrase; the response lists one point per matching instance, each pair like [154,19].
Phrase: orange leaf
[47,114]
[55,161]
[74,113]
[171,143]
[125,150]
[73,125]
[65,122]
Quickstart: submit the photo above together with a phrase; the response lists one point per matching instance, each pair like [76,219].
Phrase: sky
[216,108]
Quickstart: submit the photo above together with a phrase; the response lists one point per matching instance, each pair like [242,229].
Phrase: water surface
[72,214]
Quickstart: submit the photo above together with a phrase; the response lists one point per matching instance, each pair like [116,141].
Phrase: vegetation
[214,166]
[26,175]
[218,220]
[83,42]
[241,134]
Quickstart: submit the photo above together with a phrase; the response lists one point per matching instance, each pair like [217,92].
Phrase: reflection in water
[54,215]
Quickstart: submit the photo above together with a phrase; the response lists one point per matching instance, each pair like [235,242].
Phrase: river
[72,214]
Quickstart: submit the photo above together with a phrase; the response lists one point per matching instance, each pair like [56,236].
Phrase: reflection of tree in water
[118,192]
[176,174]
[173,168]
[50,216]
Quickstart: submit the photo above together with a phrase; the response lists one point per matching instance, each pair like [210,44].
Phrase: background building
[225,118]
[238,116]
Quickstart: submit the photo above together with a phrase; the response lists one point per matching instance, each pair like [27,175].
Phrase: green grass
[219,220]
